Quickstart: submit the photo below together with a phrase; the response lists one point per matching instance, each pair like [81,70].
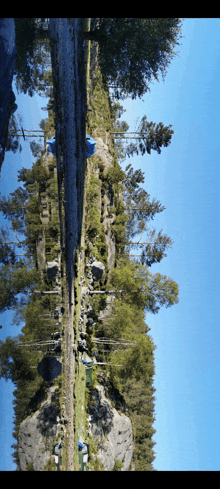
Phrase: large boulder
[111,431]
[97,269]
[36,433]
[52,269]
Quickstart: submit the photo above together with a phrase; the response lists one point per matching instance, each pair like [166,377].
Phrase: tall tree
[14,208]
[14,280]
[137,202]
[140,212]
[148,291]
[149,136]
[155,249]
[7,248]
[13,141]
[32,57]
[36,149]
[14,363]
[135,51]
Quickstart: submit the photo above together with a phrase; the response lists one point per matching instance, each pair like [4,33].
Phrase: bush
[118,465]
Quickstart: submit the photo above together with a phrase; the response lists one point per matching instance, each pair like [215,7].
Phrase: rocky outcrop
[52,269]
[36,434]
[111,431]
[108,200]
[97,269]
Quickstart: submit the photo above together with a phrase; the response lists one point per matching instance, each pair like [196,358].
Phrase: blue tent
[90,146]
[49,368]
[51,145]
[80,445]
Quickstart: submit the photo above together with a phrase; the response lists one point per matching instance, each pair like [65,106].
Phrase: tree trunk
[106,291]
[46,292]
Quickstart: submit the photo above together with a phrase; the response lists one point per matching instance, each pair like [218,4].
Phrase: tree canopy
[148,291]
[151,136]
[32,55]
[141,210]
[14,362]
[135,51]
[16,279]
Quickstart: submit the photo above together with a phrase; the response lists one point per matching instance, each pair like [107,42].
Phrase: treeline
[143,292]
[20,276]
[32,70]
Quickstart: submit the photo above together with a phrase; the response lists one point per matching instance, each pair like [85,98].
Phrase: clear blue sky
[30,111]
[185,177]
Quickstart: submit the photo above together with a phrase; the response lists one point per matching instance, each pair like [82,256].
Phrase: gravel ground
[70,136]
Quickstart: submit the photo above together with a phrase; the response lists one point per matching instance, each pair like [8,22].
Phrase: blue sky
[185,178]
[29,108]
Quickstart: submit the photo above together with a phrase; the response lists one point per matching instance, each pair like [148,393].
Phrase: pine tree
[135,51]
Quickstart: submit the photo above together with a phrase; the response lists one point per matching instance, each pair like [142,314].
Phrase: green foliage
[154,252]
[135,51]
[39,172]
[13,141]
[36,148]
[94,463]
[115,174]
[50,466]
[152,137]
[94,226]
[14,362]
[32,55]
[144,289]
[118,465]
[15,279]
[14,207]
[139,208]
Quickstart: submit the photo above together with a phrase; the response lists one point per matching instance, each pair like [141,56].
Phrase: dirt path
[70,96]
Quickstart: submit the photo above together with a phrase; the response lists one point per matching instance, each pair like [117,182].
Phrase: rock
[84,292]
[97,269]
[52,269]
[36,433]
[104,153]
[112,432]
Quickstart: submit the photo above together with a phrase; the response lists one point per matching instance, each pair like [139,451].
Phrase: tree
[125,321]
[140,211]
[149,136]
[14,208]
[137,202]
[155,250]
[16,279]
[36,149]
[121,127]
[13,143]
[147,291]
[32,46]
[14,363]
[7,253]
[135,51]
